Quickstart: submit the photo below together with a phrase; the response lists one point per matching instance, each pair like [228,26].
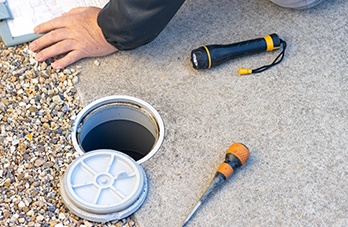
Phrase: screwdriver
[236,156]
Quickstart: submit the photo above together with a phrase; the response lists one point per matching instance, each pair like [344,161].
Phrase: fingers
[61,48]
[48,39]
[54,50]
[75,33]
[50,25]
[70,58]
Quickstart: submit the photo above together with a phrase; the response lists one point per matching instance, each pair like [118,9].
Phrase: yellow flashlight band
[270,44]
[208,56]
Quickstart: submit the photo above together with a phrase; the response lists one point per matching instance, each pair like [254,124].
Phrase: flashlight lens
[194,59]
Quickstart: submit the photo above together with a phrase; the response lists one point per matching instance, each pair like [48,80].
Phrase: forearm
[128,24]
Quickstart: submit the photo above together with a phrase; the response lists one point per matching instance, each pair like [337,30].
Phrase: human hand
[76,33]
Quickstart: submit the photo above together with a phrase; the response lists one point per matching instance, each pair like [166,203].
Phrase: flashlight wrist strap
[276,61]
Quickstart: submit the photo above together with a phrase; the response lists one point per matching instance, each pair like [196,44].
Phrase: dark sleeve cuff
[128,24]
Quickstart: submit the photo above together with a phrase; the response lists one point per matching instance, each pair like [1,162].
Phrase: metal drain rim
[134,102]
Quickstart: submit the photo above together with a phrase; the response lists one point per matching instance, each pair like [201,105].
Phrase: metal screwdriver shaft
[236,156]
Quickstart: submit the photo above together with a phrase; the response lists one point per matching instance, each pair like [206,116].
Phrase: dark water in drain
[122,135]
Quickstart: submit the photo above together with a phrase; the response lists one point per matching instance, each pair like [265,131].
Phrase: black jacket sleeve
[128,24]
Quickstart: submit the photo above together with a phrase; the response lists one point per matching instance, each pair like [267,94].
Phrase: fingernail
[38,57]
[55,65]
[32,46]
[36,29]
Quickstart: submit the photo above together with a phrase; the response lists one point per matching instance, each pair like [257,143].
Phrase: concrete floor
[292,117]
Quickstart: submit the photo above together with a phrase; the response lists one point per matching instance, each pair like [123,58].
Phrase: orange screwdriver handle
[237,155]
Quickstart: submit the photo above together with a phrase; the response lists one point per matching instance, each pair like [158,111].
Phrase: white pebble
[15,216]
[40,218]
[30,213]
[96,62]
[32,61]
[75,80]
[13,149]
[61,216]
[35,81]
[21,205]
[15,142]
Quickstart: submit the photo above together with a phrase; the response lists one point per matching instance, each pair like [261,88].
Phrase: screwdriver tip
[191,214]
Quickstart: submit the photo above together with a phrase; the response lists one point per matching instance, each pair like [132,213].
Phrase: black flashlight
[209,56]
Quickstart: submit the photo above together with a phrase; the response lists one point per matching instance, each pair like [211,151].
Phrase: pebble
[19,71]
[39,162]
[43,66]
[30,213]
[15,217]
[6,214]
[7,183]
[33,109]
[38,105]
[57,100]
[40,218]
[75,80]
[2,107]
[61,216]
[97,63]
[21,205]
[5,101]
[48,165]
[59,225]
[34,192]
[131,223]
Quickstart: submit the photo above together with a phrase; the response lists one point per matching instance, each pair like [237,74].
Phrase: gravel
[38,105]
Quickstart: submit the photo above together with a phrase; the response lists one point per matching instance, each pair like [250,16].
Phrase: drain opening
[119,126]
[129,137]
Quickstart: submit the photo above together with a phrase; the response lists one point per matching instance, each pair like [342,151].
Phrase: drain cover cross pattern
[102,182]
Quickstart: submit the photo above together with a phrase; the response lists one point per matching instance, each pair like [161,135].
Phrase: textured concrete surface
[292,117]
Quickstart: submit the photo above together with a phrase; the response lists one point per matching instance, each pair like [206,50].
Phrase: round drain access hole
[119,123]
[129,137]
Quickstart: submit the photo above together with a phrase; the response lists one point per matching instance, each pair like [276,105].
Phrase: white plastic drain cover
[104,185]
